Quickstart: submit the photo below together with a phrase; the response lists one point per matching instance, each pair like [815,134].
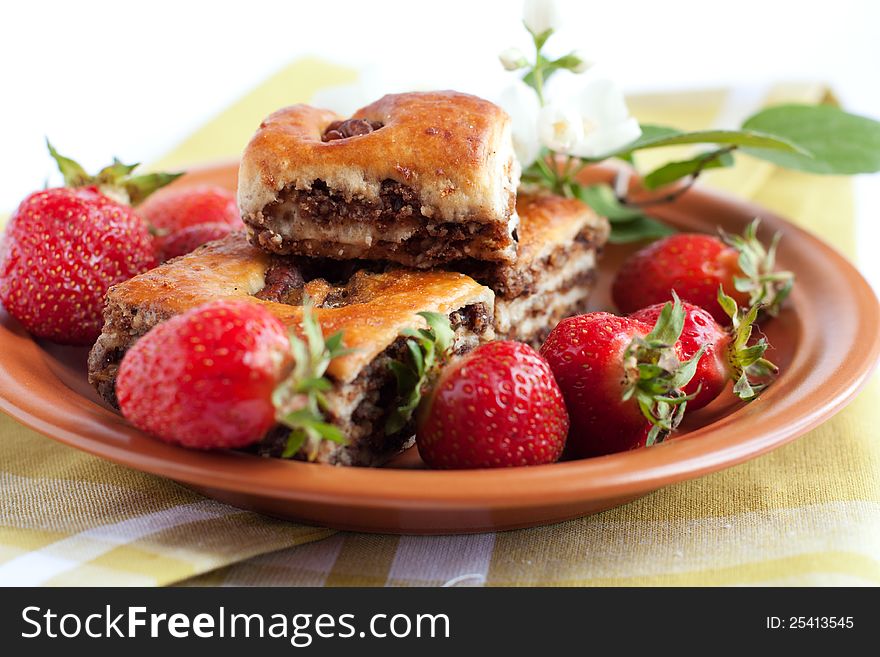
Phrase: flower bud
[541,15]
[513,59]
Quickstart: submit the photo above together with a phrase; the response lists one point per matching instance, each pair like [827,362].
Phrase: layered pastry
[370,307]
[555,269]
[419,179]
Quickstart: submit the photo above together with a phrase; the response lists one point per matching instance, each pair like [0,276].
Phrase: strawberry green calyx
[751,372]
[428,349]
[765,287]
[114,181]
[299,399]
[655,375]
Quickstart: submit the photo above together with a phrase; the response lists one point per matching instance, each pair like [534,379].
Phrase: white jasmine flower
[513,59]
[606,124]
[521,103]
[560,127]
[541,15]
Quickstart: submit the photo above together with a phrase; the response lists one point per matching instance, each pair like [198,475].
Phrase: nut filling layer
[321,223]
[349,128]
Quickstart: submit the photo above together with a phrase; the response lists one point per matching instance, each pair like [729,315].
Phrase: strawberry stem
[299,399]
[114,180]
[428,350]
[750,371]
[658,375]
[766,288]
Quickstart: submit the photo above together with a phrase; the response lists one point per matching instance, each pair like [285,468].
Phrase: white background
[132,79]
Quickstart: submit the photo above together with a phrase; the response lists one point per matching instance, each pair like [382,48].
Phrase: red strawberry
[497,406]
[223,374]
[190,238]
[179,207]
[695,265]
[63,248]
[621,379]
[176,215]
[727,355]
[205,378]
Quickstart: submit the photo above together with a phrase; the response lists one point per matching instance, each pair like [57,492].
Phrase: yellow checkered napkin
[808,513]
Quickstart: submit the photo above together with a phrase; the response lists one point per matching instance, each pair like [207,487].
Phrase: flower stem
[545,169]
[538,71]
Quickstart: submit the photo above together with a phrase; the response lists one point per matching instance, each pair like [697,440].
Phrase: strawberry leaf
[428,350]
[299,400]
[74,174]
[114,180]
[659,375]
[751,372]
[669,324]
[295,441]
[766,288]
[140,187]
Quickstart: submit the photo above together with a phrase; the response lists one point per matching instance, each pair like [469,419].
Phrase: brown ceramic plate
[823,366]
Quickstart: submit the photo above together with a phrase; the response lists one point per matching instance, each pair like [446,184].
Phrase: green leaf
[415,352]
[74,174]
[441,329]
[568,61]
[642,228]
[329,432]
[603,200]
[295,441]
[726,302]
[299,400]
[687,370]
[334,342]
[745,137]
[650,133]
[113,174]
[139,188]
[428,351]
[751,372]
[839,142]
[114,180]
[677,170]
[319,383]
[762,282]
[404,375]
[669,324]
[627,224]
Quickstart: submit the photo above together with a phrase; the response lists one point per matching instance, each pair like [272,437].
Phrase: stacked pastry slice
[370,307]
[409,206]
[420,179]
[560,240]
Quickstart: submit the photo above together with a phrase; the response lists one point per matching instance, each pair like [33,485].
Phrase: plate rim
[706,449]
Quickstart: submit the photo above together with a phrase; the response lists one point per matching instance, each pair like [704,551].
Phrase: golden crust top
[380,307]
[547,220]
[454,149]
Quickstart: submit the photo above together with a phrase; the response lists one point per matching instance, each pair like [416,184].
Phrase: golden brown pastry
[555,269]
[419,179]
[369,307]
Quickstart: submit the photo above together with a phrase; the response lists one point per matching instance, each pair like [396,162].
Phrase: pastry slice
[554,273]
[370,308]
[418,179]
